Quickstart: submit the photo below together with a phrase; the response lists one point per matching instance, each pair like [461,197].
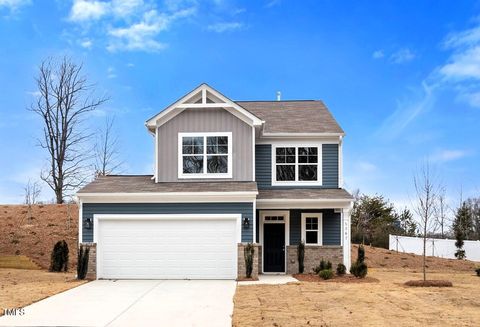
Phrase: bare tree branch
[32,192]
[65,100]
[106,150]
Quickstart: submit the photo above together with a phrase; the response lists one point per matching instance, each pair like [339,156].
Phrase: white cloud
[84,10]
[448,155]
[366,166]
[378,54]
[87,44]
[225,27]
[125,8]
[111,72]
[13,4]
[463,65]
[273,3]
[402,56]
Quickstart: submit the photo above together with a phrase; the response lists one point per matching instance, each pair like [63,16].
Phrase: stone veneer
[313,255]
[257,260]
[92,260]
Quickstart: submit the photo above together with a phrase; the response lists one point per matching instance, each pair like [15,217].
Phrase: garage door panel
[167,248]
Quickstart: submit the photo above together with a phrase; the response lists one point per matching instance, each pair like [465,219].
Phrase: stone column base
[313,255]
[92,260]
[241,261]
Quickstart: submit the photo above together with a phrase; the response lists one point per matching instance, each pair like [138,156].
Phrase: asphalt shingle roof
[304,193]
[308,116]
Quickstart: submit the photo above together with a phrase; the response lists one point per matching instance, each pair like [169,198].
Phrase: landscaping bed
[21,287]
[334,279]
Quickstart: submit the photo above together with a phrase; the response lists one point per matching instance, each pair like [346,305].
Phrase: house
[227,173]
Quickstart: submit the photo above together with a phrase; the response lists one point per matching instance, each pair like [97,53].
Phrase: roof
[305,193]
[145,184]
[307,116]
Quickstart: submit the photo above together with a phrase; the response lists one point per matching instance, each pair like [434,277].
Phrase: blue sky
[401,77]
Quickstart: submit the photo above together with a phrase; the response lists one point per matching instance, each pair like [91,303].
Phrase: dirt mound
[383,258]
[429,283]
[34,231]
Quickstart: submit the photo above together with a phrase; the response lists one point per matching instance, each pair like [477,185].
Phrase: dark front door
[274,247]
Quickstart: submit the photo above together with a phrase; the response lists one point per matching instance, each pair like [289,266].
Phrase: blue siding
[246,209]
[263,167]
[331,230]
[330,165]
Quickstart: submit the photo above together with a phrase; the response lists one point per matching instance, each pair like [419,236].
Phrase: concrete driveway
[134,303]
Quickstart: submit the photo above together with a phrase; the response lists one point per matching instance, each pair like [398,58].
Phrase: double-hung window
[312,228]
[298,165]
[205,155]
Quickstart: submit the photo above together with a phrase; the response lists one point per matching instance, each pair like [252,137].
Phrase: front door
[274,247]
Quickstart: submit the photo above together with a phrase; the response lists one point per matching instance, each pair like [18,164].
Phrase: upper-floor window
[205,155]
[298,165]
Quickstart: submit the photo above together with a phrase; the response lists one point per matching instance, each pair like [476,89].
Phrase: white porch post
[346,237]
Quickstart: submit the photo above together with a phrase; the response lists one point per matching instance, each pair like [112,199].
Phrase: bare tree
[441,211]
[106,150]
[32,192]
[65,100]
[426,191]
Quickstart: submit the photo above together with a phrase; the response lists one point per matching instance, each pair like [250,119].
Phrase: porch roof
[304,194]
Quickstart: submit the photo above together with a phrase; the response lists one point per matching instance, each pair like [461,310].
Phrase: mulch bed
[429,283]
[245,279]
[336,279]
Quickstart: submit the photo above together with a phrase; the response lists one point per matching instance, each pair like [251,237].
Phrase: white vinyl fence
[436,247]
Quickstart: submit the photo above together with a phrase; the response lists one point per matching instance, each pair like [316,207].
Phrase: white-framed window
[312,224]
[297,164]
[205,155]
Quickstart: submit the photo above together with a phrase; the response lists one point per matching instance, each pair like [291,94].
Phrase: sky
[401,77]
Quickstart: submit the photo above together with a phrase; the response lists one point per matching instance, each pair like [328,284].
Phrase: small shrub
[59,257]
[82,264]
[248,253]
[478,271]
[341,269]
[359,268]
[326,274]
[301,257]
[361,253]
[324,265]
[362,270]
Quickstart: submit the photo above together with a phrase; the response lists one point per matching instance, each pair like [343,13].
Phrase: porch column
[346,237]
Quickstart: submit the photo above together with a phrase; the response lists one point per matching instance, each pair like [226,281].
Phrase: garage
[167,246]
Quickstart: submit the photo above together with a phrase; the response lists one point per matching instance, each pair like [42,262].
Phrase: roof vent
[279,95]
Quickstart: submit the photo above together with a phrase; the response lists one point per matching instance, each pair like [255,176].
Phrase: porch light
[246,222]
[88,223]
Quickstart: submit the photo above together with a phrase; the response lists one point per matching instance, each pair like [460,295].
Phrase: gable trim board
[180,105]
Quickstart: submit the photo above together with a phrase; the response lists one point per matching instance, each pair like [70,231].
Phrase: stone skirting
[92,260]
[257,260]
[313,256]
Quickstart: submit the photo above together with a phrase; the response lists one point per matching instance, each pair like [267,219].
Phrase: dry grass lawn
[20,287]
[387,302]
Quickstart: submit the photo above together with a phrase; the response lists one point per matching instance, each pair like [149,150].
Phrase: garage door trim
[98,217]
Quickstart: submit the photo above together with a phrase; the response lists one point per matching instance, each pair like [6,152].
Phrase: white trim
[253,153]
[286,221]
[346,236]
[169,197]
[254,239]
[319,216]
[302,203]
[97,217]
[181,104]
[340,163]
[298,140]
[297,182]
[156,155]
[294,135]
[205,174]
[80,221]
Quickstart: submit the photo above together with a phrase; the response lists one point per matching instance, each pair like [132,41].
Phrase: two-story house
[227,173]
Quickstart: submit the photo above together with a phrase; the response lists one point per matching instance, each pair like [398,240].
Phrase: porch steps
[18,262]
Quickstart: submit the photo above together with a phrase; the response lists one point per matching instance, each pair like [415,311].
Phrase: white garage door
[167,247]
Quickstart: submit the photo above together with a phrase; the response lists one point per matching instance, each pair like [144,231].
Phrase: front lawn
[384,303]
[21,287]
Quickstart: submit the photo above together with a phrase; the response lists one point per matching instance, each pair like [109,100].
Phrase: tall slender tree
[106,150]
[66,98]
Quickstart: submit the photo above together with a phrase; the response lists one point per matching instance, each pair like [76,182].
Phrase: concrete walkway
[134,303]
[270,279]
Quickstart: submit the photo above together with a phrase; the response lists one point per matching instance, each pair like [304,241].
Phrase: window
[298,165]
[205,155]
[273,218]
[312,228]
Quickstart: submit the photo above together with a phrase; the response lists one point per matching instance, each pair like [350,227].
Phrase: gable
[201,98]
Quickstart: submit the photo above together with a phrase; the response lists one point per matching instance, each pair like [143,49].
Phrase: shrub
[478,271]
[324,265]
[248,253]
[341,269]
[301,257]
[359,269]
[326,274]
[82,264]
[361,253]
[59,258]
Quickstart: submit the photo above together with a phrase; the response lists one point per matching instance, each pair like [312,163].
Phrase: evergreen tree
[462,226]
